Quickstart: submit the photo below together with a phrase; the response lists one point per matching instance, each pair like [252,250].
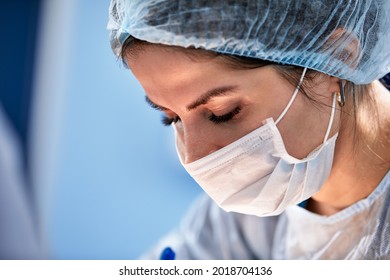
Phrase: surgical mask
[256,176]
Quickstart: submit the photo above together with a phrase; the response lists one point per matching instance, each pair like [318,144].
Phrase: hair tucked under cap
[349,39]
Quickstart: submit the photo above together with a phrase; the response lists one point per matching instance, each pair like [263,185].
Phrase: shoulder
[380,245]
[227,235]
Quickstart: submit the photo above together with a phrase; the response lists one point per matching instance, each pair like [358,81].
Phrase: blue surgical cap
[348,39]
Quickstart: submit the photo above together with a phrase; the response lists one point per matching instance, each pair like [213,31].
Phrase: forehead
[137,46]
[147,55]
[162,65]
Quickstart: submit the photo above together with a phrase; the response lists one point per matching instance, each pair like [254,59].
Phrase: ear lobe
[344,46]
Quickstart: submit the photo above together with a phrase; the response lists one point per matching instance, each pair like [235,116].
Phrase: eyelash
[168,121]
[213,118]
[224,118]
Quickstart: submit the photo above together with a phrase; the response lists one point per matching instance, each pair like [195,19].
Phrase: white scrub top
[361,231]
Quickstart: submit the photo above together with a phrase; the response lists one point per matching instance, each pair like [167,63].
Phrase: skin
[177,84]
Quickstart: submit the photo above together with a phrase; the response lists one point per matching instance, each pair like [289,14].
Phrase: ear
[334,84]
[344,46]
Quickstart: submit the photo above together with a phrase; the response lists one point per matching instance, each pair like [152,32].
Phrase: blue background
[117,185]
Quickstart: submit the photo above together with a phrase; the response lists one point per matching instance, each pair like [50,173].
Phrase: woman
[279,116]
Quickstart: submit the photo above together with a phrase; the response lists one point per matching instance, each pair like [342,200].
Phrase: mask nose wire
[293,96]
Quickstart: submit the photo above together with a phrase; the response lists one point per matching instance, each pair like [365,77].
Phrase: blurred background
[100,173]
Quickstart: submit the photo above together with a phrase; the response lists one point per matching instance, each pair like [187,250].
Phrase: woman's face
[213,104]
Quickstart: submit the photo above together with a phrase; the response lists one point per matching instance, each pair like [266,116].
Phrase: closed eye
[166,121]
[226,117]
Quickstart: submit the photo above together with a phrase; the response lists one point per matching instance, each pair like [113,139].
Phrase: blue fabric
[386,81]
[303,204]
[345,39]
[17,56]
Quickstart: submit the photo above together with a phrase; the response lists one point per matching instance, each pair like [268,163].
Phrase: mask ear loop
[293,96]
[331,118]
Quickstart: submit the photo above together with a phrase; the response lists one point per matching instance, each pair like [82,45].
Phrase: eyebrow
[203,99]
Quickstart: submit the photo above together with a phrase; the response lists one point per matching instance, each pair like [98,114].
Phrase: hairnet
[349,39]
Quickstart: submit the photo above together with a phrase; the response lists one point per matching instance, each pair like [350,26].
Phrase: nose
[194,144]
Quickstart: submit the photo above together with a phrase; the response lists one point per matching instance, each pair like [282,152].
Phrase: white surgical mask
[256,176]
